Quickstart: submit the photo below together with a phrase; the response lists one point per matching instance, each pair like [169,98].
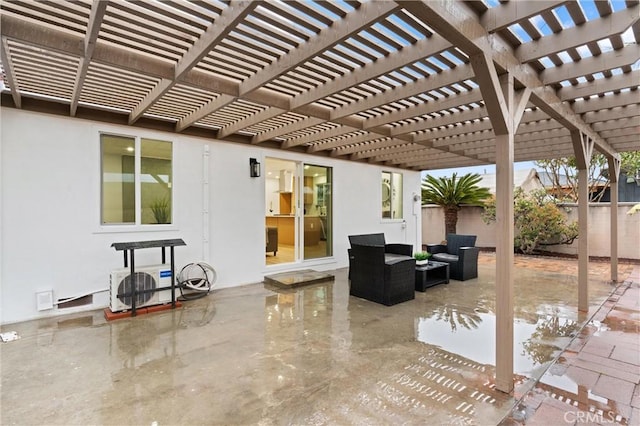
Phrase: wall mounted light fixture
[254,167]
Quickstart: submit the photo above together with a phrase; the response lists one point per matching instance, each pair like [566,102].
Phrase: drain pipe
[417,211]
[205,205]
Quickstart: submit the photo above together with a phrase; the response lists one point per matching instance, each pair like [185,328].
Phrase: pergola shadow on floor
[314,355]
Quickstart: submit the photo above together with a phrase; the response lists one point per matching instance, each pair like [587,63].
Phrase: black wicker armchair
[461,255]
[381,278]
[380,272]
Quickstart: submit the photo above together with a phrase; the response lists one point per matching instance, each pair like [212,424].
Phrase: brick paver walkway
[596,380]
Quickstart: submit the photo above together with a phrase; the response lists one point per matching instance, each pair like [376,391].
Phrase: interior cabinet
[271,221]
[286,228]
[285,203]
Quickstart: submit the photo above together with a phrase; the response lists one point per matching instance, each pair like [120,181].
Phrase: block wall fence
[470,222]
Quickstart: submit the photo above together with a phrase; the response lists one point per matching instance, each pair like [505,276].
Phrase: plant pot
[422,262]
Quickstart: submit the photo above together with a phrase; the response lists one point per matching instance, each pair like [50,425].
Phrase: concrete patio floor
[315,355]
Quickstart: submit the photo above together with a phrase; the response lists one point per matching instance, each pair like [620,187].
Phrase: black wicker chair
[461,255]
[380,278]
[391,250]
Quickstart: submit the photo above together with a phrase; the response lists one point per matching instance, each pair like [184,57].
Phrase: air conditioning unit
[145,278]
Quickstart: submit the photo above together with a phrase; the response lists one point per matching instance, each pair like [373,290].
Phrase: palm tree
[451,193]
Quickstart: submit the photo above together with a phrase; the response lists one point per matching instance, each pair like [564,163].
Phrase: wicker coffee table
[433,273]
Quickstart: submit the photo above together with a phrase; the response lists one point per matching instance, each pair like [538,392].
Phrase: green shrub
[538,222]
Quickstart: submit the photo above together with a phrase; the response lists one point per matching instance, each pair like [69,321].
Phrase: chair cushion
[392,258]
[445,257]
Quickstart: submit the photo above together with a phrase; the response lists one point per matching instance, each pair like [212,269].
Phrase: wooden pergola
[418,85]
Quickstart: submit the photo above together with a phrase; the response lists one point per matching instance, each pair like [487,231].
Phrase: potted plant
[422,257]
[161,210]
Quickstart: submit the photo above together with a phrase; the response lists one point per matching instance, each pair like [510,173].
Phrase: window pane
[386,195]
[118,184]
[396,196]
[391,195]
[155,181]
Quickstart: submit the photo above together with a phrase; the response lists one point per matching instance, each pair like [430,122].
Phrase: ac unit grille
[142,281]
[146,281]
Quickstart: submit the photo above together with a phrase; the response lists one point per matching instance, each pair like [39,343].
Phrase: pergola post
[583,149]
[614,175]
[505,107]
[504,262]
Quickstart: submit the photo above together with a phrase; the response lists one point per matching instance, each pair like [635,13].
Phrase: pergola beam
[458,23]
[421,49]
[440,160]
[384,150]
[587,89]
[428,107]
[215,33]
[428,125]
[400,153]
[366,15]
[320,136]
[605,102]
[594,116]
[211,106]
[490,87]
[98,9]
[289,128]
[593,110]
[550,130]
[7,65]
[498,18]
[249,120]
[229,18]
[602,85]
[570,38]
[435,81]
[587,66]
[341,142]
[426,165]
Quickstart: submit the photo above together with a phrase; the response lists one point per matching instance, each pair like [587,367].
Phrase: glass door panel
[281,229]
[318,212]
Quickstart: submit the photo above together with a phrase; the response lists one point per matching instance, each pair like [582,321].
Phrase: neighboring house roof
[526,179]
[547,180]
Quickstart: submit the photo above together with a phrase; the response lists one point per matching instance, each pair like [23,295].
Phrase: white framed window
[136,180]
[391,195]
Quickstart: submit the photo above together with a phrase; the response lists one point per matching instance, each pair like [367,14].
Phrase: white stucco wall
[470,222]
[50,201]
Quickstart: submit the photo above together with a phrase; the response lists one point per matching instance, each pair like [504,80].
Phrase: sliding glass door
[298,211]
[318,213]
